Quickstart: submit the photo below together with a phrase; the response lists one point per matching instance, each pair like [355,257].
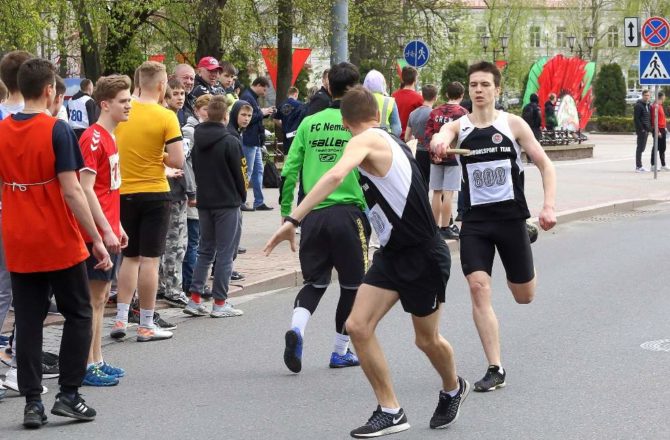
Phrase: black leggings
[661,147]
[309,297]
[31,301]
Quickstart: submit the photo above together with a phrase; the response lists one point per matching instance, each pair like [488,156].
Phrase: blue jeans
[188,265]
[254,158]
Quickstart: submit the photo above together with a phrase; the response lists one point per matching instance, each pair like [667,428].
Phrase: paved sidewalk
[585,187]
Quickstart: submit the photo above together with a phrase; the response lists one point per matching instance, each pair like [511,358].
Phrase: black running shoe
[134,315]
[293,350]
[75,408]
[382,423]
[206,293]
[449,407]
[33,415]
[236,276]
[492,380]
[163,324]
[49,358]
[50,371]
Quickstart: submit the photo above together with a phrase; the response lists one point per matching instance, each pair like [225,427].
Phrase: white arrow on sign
[631,27]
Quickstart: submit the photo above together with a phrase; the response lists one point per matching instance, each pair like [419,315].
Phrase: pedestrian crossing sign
[654,67]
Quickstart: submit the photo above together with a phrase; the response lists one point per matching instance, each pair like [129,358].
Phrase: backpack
[271,175]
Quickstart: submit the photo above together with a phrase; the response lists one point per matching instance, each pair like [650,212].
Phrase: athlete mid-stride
[412,265]
[496,209]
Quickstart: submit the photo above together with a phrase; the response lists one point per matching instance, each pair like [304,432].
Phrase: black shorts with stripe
[334,237]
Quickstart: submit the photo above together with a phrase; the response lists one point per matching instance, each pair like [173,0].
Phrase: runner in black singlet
[496,209]
[412,265]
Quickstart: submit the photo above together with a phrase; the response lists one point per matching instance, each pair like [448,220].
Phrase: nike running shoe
[75,408]
[162,323]
[448,408]
[348,359]
[111,370]
[493,379]
[119,330]
[382,423]
[176,299]
[33,415]
[147,334]
[95,377]
[293,350]
[50,371]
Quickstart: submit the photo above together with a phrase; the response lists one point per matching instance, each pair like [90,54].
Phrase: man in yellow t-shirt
[143,140]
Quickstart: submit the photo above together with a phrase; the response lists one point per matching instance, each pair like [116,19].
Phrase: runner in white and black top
[496,209]
[412,265]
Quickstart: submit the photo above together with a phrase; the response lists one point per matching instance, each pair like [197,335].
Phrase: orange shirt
[661,116]
[39,231]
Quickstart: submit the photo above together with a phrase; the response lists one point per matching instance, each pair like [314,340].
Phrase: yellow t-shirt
[141,141]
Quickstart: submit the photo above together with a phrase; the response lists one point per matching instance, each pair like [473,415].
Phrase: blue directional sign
[416,53]
[654,65]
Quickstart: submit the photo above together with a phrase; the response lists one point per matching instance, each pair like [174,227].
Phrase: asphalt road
[575,366]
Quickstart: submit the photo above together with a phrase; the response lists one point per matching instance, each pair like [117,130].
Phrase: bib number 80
[489,177]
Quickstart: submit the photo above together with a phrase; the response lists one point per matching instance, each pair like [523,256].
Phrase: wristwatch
[291,220]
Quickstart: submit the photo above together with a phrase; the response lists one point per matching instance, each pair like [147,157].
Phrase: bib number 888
[489,177]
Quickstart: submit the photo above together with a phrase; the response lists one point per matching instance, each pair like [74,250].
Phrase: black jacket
[202,87]
[254,135]
[642,116]
[320,101]
[217,164]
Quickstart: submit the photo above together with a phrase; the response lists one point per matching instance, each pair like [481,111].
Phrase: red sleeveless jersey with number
[39,231]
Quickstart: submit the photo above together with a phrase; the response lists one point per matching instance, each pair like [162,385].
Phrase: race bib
[381,224]
[114,172]
[490,182]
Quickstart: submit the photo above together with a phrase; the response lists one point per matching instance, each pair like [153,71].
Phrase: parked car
[632,98]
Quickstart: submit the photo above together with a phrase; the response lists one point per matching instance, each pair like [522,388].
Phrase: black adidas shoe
[382,423]
[75,408]
[448,408]
[493,379]
[33,415]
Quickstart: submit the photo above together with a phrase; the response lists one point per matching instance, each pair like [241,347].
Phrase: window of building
[613,36]
[561,37]
[535,36]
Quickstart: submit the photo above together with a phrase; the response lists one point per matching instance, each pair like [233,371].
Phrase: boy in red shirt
[101,178]
[42,203]
[406,97]
[660,98]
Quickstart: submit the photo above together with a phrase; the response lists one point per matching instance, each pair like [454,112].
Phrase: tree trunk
[61,43]
[119,40]
[284,49]
[89,48]
[209,29]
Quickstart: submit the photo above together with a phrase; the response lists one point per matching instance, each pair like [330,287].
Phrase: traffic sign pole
[655,152]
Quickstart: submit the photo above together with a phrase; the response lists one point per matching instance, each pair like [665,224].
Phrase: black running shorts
[145,218]
[479,240]
[99,274]
[334,237]
[418,274]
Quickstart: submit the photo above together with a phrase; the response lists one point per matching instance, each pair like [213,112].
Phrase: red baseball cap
[209,63]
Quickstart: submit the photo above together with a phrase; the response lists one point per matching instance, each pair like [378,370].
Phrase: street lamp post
[590,42]
[504,41]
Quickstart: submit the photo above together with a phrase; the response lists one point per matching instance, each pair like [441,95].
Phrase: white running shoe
[153,333]
[225,311]
[641,170]
[11,381]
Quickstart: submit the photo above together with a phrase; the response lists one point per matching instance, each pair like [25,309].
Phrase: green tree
[301,82]
[455,71]
[610,91]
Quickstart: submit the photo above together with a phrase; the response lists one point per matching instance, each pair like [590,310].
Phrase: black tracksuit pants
[31,298]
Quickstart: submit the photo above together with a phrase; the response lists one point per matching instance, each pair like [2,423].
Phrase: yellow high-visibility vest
[385,104]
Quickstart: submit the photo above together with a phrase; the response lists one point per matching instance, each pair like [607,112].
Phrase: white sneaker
[641,170]
[153,333]
[11,381]
[665,168]
[225,311]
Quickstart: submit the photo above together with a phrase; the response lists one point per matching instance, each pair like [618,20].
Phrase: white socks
[146,318]
[393,411]
[341,344]
[300,317]
[122,312]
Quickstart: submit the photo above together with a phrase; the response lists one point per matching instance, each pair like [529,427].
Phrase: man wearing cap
[206,81]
